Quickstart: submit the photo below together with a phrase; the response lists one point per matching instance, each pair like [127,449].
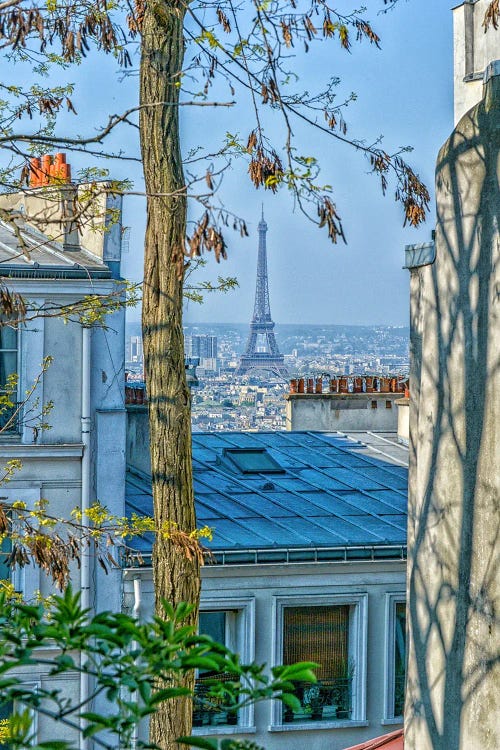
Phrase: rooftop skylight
[253,460]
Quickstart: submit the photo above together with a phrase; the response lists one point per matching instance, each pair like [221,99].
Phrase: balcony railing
[211,705]
[325,700]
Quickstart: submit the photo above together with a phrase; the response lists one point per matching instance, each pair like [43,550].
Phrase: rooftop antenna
[262,216]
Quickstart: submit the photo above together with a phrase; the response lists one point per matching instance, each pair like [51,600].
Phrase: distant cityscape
[223,401]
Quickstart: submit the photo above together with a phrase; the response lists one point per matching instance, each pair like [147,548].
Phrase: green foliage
[127,662]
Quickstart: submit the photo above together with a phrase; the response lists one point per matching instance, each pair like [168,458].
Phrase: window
[26,579]
[230,622]
[395,657]
[8,367]
[5,550]
[330,631]
[9,707]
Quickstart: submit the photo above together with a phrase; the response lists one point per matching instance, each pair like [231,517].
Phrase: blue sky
[404,92]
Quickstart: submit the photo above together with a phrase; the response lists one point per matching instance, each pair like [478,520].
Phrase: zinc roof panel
[381,528]
[321,501]
[264,506]
[361,504]
[277,533]
[318,533]
[355,531]
[230,534]
[307,457]
[356,479]
[300,505]
[205,512]
[385,477]
[392,499]
[227,507]
[290,483]
[320,479]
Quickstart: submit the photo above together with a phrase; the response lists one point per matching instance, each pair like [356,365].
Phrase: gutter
[289,555]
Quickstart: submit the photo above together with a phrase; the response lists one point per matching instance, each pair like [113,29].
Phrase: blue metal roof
[335,491]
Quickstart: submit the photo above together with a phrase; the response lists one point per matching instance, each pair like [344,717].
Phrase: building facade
[307,563]
[81,458]
[453,587]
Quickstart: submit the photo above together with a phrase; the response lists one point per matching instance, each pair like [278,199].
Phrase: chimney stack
[49,170]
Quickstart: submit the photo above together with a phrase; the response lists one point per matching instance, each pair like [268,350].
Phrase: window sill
[342,724]
[392,722]
[10,437]
[223,729]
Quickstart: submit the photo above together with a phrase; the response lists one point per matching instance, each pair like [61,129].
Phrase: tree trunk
[176,577]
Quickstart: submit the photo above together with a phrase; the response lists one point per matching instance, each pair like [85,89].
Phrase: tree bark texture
[176,577]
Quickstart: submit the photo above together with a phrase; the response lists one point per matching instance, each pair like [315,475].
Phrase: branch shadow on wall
[452,607]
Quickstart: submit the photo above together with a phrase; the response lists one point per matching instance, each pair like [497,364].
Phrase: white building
[81,458]
[309,560]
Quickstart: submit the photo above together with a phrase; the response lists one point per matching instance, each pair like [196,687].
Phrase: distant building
[204,347]
[135,350]
[345,403]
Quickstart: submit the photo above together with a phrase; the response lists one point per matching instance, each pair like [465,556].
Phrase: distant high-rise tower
[262,351]
[203,346]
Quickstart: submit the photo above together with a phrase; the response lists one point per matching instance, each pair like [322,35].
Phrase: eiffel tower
[261,326]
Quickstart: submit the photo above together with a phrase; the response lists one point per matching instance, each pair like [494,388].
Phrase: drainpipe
[137,598]
[137,614]
[85,504]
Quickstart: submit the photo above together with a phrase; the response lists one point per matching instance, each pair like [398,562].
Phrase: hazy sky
[404,92]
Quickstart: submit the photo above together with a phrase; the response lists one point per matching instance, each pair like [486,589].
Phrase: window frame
[391,600]
[16,428]
[358,642]
[34,685]
[26,579]
[241,640]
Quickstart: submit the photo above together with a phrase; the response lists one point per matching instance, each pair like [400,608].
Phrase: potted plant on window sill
[344,691]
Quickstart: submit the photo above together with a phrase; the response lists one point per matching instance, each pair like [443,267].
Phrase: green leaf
[200,662]
[291,700]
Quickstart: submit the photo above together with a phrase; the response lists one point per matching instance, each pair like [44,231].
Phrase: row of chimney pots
[352,384]
[49,170]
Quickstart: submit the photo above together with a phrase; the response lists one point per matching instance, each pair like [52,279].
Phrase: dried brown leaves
[74,26]
[207,237]
[492,15]
[223,20]
[329,217]
[265,169]
[136,18]
[413,194]
[364,30]
[12,305]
